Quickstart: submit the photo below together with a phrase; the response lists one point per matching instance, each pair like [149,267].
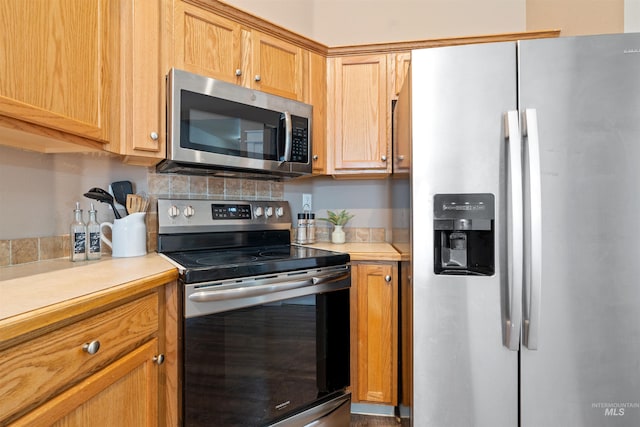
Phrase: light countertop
[33,294]
[362,251]
[44,290]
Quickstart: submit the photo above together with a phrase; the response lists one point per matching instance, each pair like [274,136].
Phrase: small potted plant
[338,220]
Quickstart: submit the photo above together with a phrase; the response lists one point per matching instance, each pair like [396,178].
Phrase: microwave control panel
[300,140]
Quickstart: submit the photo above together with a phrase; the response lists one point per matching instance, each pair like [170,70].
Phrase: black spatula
[120,190]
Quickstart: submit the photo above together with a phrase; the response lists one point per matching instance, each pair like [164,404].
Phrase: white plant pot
[337,236]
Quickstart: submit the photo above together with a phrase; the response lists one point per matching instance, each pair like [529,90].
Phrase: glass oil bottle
[78,234]
[93,234]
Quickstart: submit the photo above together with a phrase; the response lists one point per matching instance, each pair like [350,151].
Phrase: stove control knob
[279,211]
[268,211]
[189,211]
[258,212]
[174,211]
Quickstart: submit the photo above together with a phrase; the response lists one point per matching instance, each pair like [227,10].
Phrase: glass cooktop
[221,264]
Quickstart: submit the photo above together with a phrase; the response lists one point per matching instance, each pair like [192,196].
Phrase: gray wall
[368,200]
[38,192]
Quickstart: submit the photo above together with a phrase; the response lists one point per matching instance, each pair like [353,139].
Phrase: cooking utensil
[136,203]
[120,191]
[103,197]
[101,191]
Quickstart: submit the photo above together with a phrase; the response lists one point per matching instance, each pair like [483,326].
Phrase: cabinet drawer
[36,370]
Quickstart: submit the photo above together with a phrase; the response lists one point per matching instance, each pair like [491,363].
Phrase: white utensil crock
[128,236]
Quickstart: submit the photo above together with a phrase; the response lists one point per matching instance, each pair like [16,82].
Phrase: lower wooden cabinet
[374,332]
[123,393]
[103,369]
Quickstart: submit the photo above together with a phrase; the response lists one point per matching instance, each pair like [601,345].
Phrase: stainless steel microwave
[218,128]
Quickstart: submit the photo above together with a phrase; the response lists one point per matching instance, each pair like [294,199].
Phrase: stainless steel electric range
[265,333]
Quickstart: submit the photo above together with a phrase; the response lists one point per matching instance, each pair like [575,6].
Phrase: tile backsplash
[25,250]
[203,187]
[32,249]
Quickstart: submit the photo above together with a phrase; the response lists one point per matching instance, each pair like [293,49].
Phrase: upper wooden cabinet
[90,76]
[278,67]
[359,116]
[56,71]
[402,122]
[140,135]
[83,76]
[318,98]
[207,44]
[401,61]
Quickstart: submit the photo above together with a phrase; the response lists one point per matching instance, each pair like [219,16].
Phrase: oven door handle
[252,291]
[331,277]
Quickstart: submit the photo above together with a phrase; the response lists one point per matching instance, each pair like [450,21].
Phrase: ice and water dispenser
[464,236]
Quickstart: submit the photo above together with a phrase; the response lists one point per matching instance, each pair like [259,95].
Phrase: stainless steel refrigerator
[525,232]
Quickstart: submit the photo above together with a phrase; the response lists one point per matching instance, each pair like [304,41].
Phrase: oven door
[259,351]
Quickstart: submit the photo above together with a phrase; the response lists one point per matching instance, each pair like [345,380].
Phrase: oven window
[252,366]
[225,127]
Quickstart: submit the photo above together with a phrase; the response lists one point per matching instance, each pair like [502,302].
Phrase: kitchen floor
[375,421]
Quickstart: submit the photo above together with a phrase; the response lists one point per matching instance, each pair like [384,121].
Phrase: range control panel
[222,211]
[187,215]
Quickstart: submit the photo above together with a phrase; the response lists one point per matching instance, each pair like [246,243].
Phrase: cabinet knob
[154,136]
[238,72]
[384,158]
[159,359]
[401,157]
[91,347]
[387,279]
[315,157]
[257,77]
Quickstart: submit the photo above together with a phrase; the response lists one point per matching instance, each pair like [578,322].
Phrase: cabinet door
[402,61]
[361,115]
[375,333]
[123,393]
[56,59]
[278,67]
[207,44]
[402,129]
[141,135]
[39,369]
[318,98]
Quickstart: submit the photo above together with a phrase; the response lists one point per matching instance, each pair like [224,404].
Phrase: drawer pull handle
[159,359]
[91,347]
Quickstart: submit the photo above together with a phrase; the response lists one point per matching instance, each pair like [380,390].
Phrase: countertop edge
[380,251]
[25,325]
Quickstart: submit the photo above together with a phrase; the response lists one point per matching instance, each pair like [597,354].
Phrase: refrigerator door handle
[533,235]
[515,257]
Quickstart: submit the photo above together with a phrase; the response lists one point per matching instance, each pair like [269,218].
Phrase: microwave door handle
[288,138]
